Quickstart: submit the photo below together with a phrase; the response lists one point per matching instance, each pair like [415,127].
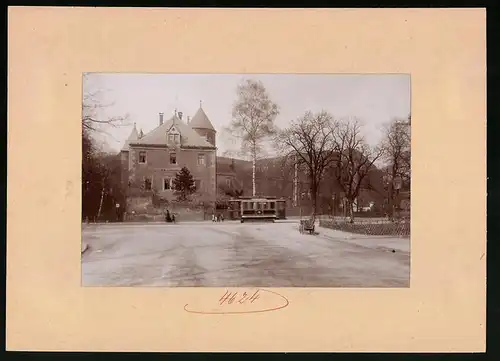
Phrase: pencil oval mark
[243,302]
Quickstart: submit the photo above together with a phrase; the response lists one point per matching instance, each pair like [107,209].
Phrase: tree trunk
[254,160]
[391,203]
[100,203]
[351,211]
[314,198]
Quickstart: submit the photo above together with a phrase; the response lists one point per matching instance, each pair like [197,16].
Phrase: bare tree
[354,160]
[309,143]
[93,117]
[396,147]
[253,119]
[98,180]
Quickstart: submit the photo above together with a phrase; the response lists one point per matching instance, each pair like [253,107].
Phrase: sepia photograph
[246,180]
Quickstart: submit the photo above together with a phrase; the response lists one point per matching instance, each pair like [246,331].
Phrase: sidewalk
[151,223]
[387,243]
[179,222]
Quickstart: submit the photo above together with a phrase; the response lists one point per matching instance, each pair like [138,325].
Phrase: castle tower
[126,156]
[202,125]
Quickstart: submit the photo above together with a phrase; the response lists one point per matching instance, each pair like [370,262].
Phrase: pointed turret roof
[131,138]
[200,120]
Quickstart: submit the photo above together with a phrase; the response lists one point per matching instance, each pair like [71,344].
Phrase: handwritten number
[244,298]
[224,298]
[254,297]
[230,297]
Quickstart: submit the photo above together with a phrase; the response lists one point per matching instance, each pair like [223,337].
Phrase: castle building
[150,161]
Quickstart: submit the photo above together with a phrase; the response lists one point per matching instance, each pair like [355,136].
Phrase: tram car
[257,209]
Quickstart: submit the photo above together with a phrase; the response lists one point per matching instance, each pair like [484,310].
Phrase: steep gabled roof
[131,138]
[200,120]
[158,136]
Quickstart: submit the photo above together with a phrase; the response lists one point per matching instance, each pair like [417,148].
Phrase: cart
[306,225]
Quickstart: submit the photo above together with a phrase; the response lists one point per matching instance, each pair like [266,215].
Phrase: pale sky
[374,99]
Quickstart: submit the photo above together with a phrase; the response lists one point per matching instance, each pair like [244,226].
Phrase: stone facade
[151,161]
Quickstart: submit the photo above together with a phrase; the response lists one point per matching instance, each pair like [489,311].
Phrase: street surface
[231,254]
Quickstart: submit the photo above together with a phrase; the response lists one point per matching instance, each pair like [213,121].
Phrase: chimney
[180,115]
[161,118]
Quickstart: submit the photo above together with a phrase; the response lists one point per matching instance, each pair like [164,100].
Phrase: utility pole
[295,180]
[100,204]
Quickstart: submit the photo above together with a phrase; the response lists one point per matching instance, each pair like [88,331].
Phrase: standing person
[167,217]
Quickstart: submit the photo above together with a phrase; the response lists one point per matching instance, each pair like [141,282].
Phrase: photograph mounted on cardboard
[246,180]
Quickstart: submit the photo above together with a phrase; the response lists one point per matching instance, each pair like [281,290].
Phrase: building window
[147,184]
[197,184]
[173,158]
[174,138]
[228,182]
[142,157]
[167,184]
[201,159]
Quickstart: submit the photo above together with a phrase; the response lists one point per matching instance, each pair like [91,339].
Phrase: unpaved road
[231,254]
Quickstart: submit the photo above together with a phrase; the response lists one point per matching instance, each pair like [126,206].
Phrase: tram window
[272,205]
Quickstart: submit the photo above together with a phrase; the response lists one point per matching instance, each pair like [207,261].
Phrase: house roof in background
[224,168]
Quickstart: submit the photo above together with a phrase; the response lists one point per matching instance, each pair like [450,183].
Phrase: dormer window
[173,136]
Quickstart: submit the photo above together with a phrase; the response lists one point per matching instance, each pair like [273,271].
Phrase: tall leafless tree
[252,120]
[93,117]
[97,184]
[309,142]
[396,147]
[354,160]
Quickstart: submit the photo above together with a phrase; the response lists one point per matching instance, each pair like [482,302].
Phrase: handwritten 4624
[241,298]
